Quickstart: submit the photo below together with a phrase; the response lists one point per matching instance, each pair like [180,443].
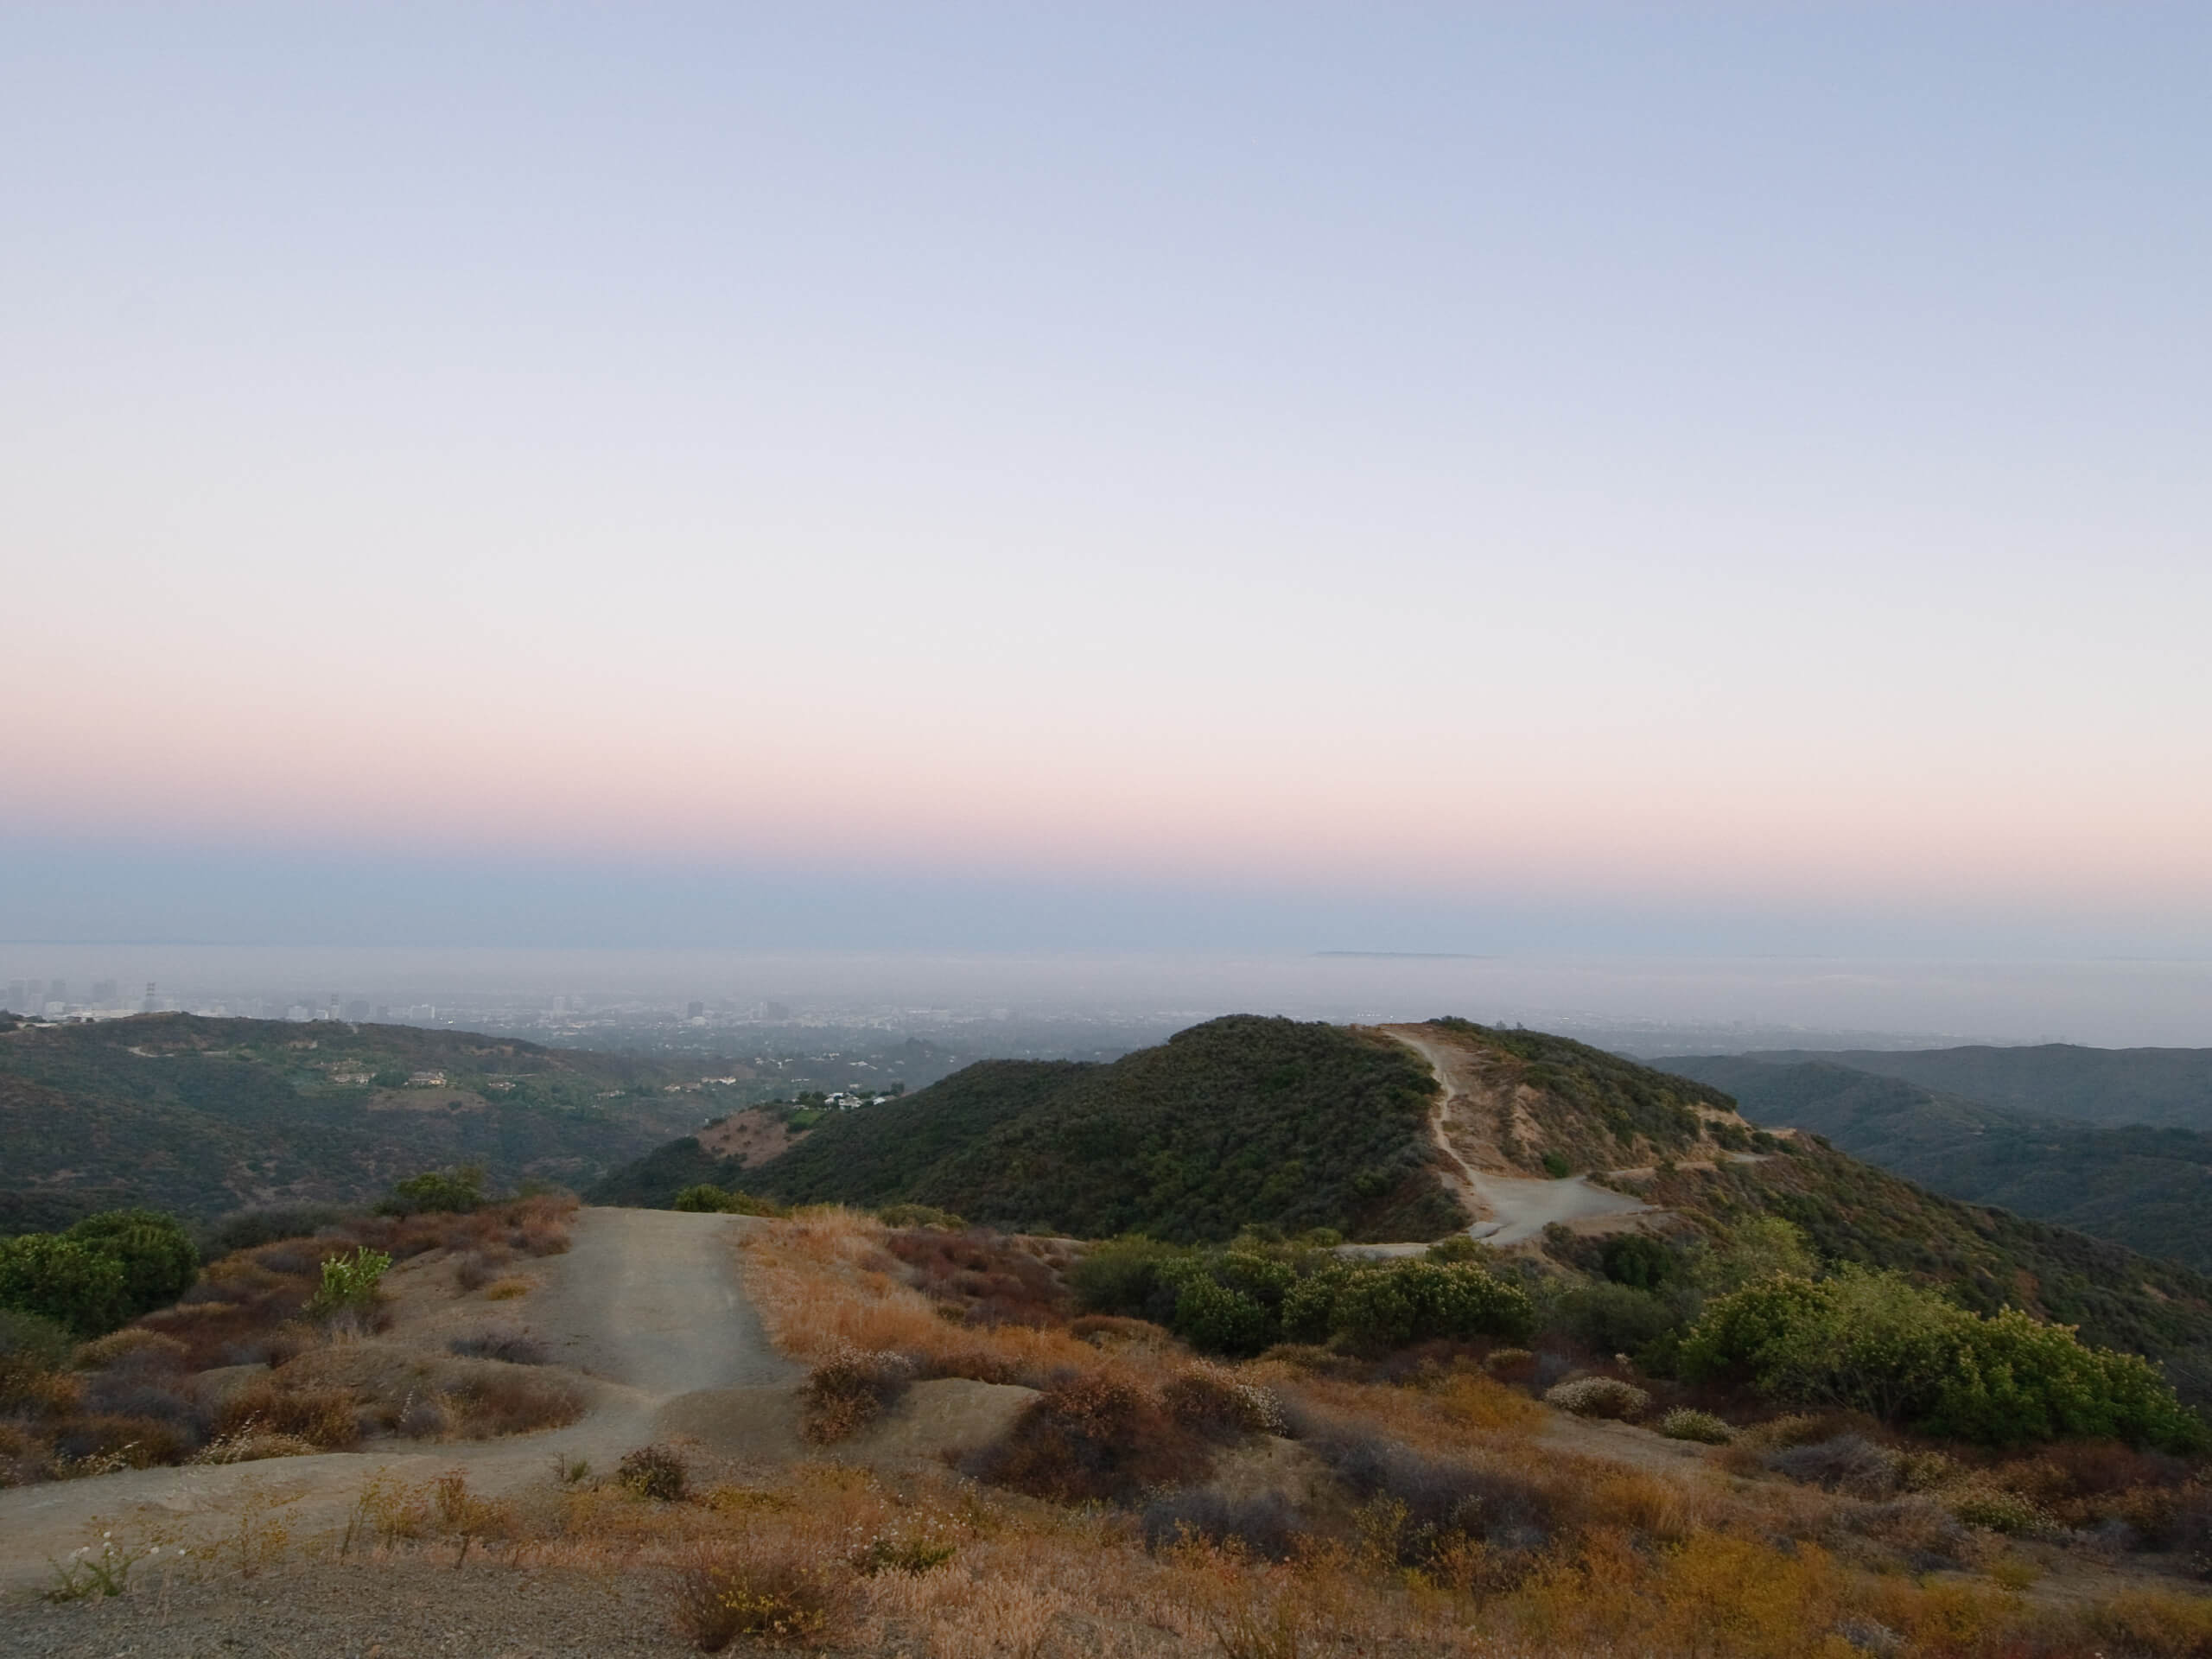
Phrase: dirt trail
[1512,1208]
[647,1301]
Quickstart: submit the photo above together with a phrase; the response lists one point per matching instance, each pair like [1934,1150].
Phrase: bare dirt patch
[428,1100]
[751,1137]
[1482,1108]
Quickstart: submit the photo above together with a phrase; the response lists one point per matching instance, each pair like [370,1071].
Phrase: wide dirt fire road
[646,1301]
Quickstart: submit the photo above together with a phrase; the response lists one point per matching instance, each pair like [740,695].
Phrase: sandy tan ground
[1511,1208]
[646,1302]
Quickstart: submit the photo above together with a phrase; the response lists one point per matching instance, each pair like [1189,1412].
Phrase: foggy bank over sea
[1651,1005]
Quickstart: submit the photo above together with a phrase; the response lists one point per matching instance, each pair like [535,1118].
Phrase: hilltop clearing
[2150,1189]
[1241,1120]
[1524,1118]
[2157,1086]
[1527,1103]
[198,1116]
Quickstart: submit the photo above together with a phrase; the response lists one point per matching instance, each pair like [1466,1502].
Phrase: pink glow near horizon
[1151,481]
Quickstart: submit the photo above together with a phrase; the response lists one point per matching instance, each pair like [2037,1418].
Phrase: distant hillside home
[426,1080]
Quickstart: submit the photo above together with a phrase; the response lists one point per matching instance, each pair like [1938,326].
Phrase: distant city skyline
[1644,1004]
[1595,478]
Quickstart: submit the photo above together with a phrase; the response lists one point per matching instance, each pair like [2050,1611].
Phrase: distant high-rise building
[147,1006]
[58,991]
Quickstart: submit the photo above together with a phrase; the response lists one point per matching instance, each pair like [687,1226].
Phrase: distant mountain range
[2113,1142]
[198,1116]
[2157,1086]
[1249,1120]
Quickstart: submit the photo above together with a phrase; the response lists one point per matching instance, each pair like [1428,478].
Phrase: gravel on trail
[410,1610]
[1515,1207]
[646,1301]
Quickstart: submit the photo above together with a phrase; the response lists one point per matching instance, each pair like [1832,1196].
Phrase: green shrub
[32,1348]
[1639,1261]
[158,1258]
[34,1341]
[65,1279]
[1599,1396]
[1611,1318]
[1459,1248]
[706,1198]
[1875,1342]
[1995,1509]
[437,1191]
[1254,1294]
[1219,1319]
[1388,1305]
[750,1204]
[1684,1424]
[1122,1275]
[106,1270]
[243,1229]
[349,1282]
[1556,1167]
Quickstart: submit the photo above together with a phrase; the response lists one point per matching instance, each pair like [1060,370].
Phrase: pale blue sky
[1738,466]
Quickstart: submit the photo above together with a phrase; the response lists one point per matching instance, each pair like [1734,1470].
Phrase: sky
[1411,478]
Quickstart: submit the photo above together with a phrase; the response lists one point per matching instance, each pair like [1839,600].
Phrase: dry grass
[765,1589]
[926,1566]
[1096,1436]
[141,1396]
[849,1389]
[987,1278]
[824,1283]
[1451,1524]
[1433,1514]
[323,1418]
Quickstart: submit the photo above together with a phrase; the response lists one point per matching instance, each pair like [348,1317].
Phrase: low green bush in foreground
[106,1270]
[1877,1343]
[349,1282]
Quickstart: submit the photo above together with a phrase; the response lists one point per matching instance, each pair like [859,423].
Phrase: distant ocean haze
[1643,1004]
